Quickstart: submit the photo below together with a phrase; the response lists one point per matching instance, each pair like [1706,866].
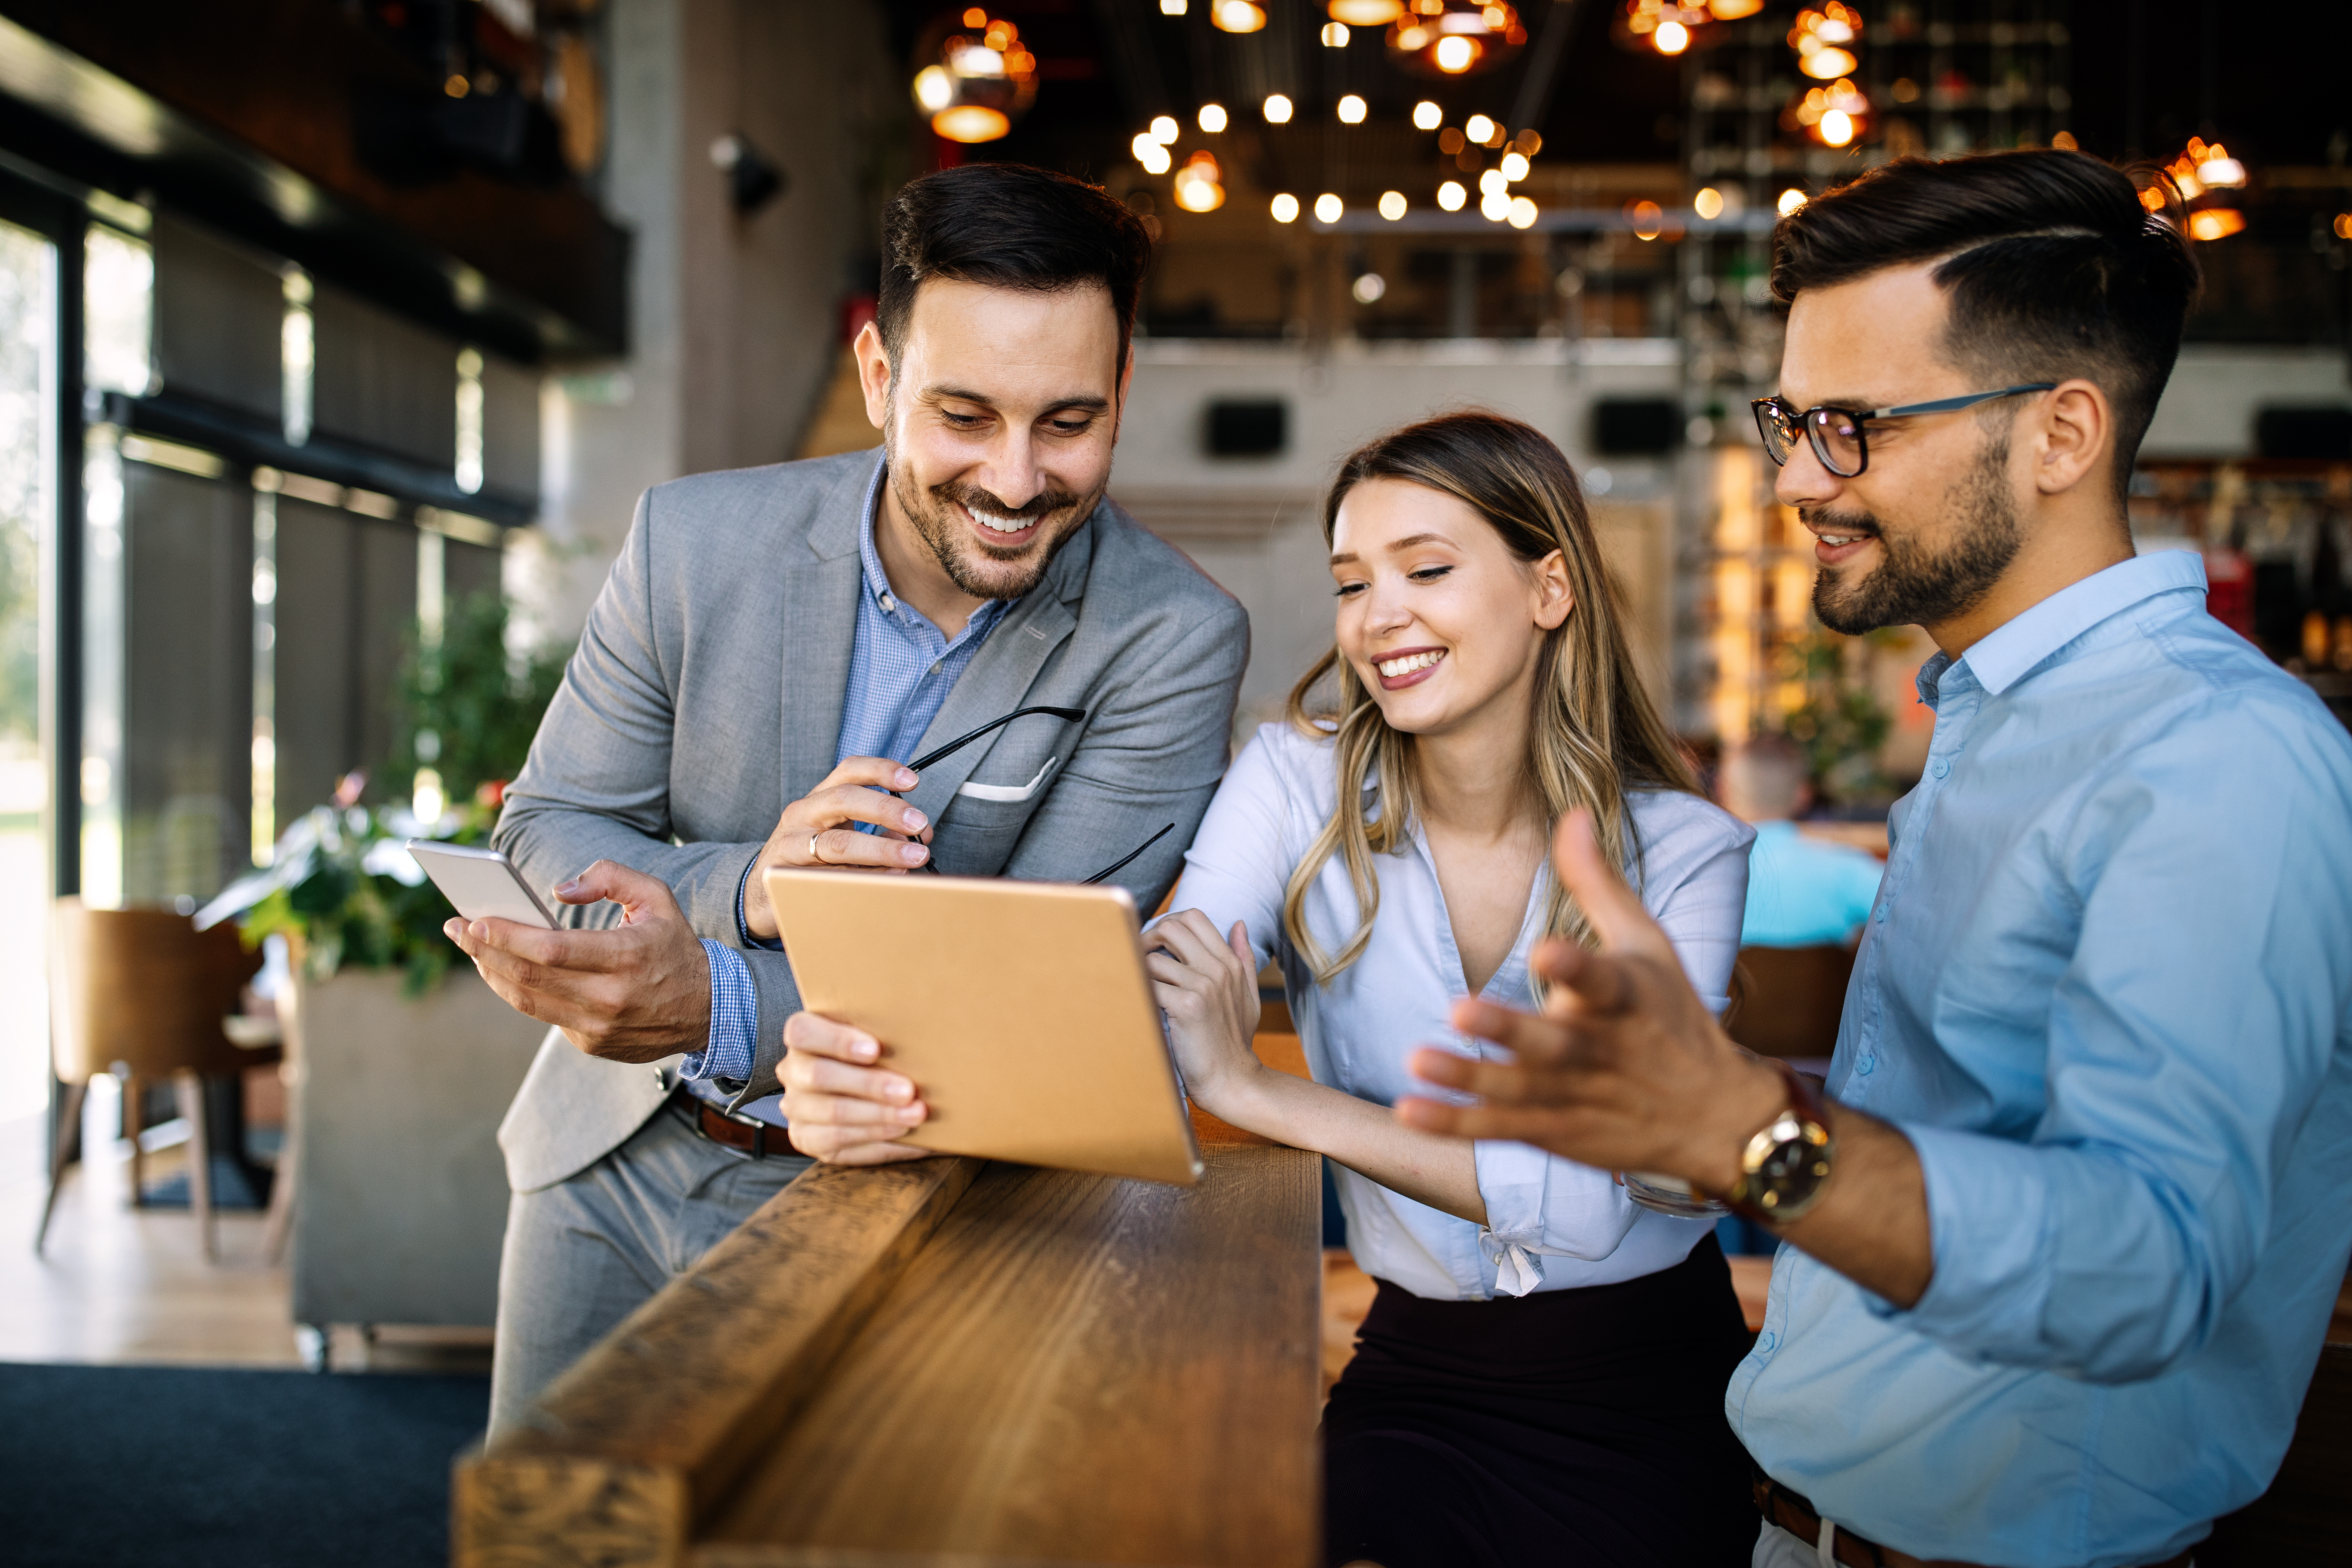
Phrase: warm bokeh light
[1352,110]
[976,87]
[1647,218]
[1527,143]
[1236,15]
[1164,129]
[1452,197]
[1494,206]
[1427,116]
[1151,153]
[1491,181]
[1514,167]
[1328,208]
[1819,38]
[1369,288]
[1199,187]
[2066,141]
[1837,127]
[1671,39]
[1733,10]
[1479,129]
[1522,213]
[969,122]
[1454,38]
[1365,12]
[1790,200]
[2216,223]
[1392,205]
[1709,203]
[1335,35]
[1172,7]
[2344,225]
[1284,208]
[1212,118]
[1825,63]
[1277,109]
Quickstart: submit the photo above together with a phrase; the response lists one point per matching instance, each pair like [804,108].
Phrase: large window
[28,463]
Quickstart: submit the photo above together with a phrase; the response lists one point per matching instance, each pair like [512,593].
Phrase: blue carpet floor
[206,1469]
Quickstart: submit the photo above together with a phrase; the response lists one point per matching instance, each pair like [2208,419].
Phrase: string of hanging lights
[1443,37]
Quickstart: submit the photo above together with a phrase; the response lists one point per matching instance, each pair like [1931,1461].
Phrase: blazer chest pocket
[977,832]
[1010,792]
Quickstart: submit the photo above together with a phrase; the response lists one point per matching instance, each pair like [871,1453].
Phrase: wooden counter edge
[631,1444]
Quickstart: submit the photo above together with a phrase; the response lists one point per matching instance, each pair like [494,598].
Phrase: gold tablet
[1020,1011]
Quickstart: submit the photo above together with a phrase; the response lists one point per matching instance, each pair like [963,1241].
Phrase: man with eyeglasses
[2065,1234]
[960,658]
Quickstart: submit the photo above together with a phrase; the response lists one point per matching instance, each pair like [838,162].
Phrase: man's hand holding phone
[635,992]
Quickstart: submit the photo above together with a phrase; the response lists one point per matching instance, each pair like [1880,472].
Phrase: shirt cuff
[734,1020]
[768,945]
[1539,1205]
[1988,1217]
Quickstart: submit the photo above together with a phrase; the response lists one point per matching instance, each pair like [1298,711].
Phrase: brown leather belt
[751,1137]
[1794,1514]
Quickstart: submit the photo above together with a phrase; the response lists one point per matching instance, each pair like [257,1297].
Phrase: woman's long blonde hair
[1595,734]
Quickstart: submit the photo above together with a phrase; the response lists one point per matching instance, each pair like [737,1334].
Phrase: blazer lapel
[819,633]
[999,678]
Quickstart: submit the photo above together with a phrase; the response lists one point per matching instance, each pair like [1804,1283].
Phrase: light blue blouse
[1552,1223]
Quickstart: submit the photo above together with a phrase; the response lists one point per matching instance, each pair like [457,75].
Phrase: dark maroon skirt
[1569,1426]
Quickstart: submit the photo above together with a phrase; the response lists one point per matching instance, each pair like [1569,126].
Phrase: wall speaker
[1248,427]
[1636,426]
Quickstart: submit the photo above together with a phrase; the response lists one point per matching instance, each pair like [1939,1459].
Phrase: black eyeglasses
[1836,433]
[1067,715]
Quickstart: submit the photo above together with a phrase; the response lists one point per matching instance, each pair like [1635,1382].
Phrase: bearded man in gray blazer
[773,645]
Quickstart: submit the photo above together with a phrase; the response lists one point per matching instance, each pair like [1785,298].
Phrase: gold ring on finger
[815,859]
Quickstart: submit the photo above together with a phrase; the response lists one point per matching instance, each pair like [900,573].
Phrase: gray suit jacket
[708,691]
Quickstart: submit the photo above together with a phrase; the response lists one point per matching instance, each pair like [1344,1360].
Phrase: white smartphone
[482,883]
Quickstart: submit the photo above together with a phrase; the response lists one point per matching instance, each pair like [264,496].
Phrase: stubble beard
[966,560]
[1910,586]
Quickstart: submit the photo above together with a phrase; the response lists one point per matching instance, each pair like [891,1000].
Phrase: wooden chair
[1786,1001]
[141,993]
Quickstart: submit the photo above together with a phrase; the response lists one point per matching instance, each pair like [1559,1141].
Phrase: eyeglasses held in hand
[1836,434]
[1068,715]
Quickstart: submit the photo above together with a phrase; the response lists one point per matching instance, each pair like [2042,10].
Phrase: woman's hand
[1208,988]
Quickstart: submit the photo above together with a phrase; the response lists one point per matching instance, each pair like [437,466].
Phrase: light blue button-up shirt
[2106,992]
[901,669]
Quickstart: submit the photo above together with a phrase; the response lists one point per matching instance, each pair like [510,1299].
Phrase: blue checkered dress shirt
[901,669]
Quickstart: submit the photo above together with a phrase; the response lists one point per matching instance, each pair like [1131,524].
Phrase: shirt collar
[2003,657]
[877,582]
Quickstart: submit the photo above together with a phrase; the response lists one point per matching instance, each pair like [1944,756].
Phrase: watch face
[1787,1176]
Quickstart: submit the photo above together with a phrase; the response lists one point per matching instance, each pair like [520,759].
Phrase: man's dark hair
[1007,226]
[2050,266]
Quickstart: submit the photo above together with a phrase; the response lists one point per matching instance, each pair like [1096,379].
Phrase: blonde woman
[1541,1376]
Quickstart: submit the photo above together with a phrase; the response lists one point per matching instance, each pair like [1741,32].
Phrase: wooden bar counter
[948,1362]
